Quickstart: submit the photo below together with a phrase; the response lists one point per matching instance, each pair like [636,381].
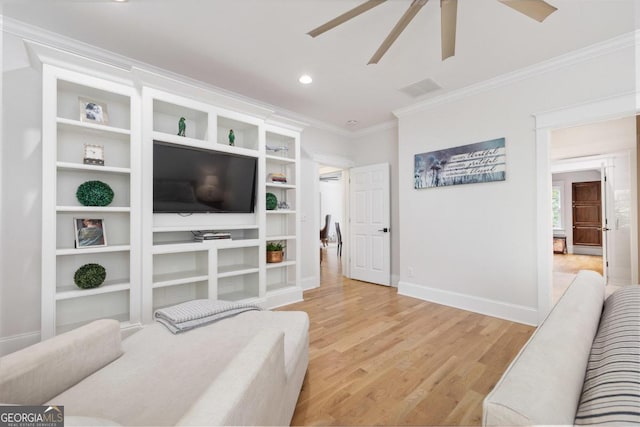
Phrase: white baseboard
[502,310]
[395,279]
[283,297]
[586,250]
[16,342]
[310,282]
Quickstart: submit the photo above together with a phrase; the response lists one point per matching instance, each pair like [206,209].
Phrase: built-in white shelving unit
[282,158]
[151,259]
[177,269]
[64,305]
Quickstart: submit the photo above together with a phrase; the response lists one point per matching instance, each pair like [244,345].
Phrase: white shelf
[77,124]
[99,250]
[181,278]
[69,292]
[206,145]
[244,243]
[170,229]
[184,140]
[274,238]
[281,212]
[238,296]
[91,168]
[283,186]
[171,248]
[282,264]
[278,287]
[236,270]
[278,159]
[192,246]
[105,209]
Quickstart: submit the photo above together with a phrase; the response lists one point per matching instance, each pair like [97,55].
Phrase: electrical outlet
[410,271]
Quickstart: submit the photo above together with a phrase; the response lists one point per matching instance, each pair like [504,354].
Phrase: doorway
[606,126]
[332,196]
[577,203]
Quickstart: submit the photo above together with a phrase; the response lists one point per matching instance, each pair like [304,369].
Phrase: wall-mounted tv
[192,180]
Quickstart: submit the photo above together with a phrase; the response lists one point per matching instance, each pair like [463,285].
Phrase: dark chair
[324,232]
[339,234]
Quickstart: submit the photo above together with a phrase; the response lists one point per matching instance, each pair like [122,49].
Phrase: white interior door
[370,234]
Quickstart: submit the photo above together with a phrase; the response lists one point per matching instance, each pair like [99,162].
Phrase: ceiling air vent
[420,88]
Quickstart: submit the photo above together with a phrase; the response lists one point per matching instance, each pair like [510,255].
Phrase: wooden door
[587,213]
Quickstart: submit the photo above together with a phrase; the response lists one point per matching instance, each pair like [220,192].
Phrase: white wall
[474,246]
[21,198]
[566,180]
[382,147]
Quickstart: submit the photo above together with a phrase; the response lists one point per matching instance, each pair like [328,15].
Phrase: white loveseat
[244,370]
[581,366]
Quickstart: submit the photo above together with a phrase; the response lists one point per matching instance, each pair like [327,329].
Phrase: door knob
[384,230]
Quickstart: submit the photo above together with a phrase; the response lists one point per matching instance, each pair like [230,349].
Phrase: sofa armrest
[249,390]
[542,385]
[40,372]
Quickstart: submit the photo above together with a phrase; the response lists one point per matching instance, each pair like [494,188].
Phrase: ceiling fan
[535,9]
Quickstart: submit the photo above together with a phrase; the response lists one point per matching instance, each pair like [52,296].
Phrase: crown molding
[54,48]
[608,108]
[285,122]
[51,47]
[623,41]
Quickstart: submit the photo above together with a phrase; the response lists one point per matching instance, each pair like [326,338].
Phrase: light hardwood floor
[570,263]
[566,267]
[378,358]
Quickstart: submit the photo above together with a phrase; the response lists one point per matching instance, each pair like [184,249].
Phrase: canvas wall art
[467,164]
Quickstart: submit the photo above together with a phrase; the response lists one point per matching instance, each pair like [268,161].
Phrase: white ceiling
[259,48]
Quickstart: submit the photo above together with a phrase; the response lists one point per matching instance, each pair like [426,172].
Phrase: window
[556,204]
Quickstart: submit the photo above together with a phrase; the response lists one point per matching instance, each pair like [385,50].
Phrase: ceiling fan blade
[448,18]
[399,28]
[534,9]
[370,4]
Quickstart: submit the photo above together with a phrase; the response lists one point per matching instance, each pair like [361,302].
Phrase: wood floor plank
[379,358]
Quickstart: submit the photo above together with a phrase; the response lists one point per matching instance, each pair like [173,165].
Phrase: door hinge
[607,263]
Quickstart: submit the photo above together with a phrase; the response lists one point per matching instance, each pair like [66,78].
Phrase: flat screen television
[192,180]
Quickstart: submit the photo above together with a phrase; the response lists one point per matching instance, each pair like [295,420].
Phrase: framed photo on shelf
[90,232]
[93,111]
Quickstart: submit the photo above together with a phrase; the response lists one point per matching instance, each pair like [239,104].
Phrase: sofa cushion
[161,375]
[34,375]
[611,391]
[543,384]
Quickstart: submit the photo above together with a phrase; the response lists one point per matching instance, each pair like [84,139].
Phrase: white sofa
[581,366]
[244,370]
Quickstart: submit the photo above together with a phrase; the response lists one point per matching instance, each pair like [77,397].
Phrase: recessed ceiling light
[120,1]
[352,122]
[305,79]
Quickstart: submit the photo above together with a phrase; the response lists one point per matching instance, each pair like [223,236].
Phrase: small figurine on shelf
[232,137]
[182,127]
